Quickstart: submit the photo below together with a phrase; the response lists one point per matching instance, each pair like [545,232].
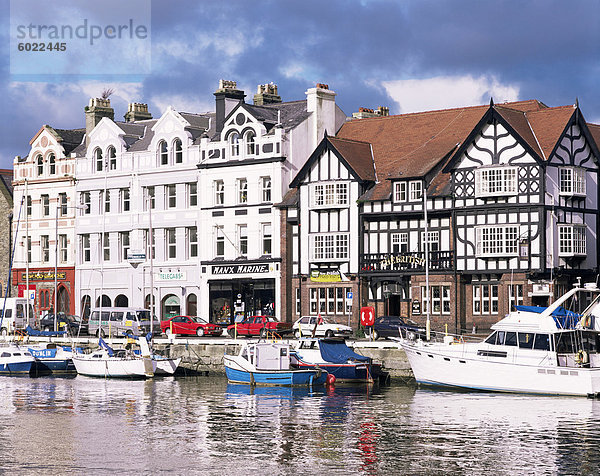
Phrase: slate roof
[6,177]
[292,113]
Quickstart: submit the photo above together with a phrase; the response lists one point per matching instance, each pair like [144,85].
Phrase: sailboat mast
[428,322]
[151,233]
[27,250]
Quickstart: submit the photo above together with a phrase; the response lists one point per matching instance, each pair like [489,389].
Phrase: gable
[240,120]
[171,121]
[574,149]
[493,142]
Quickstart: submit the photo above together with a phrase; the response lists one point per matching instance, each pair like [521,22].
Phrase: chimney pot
[137,112]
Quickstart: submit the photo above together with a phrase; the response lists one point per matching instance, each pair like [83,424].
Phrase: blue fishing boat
[266,363]
[52,358]
[334,356]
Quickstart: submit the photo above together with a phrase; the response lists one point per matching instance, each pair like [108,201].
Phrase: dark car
[62,322]
[394,326]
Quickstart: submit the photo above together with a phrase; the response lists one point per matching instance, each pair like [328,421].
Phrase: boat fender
[330,380]
[581,357]
[587,321]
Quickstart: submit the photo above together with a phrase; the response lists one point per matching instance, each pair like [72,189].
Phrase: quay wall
[205,355]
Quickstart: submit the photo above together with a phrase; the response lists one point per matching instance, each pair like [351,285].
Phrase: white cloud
[442,92]
[180,102]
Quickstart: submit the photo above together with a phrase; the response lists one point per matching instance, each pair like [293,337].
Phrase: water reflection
[204,425]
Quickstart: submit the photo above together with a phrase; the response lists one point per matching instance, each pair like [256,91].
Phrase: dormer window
[234,144]
[98,159]
[163,153]
[250,143]
[52,163]
[178,151]
[40,165]
[112,158]
[411,191]
[491,182]
[572,181]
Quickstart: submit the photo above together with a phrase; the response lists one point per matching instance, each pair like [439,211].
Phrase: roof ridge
[348,140]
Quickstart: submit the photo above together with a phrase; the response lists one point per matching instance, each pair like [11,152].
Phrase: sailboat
[116,363]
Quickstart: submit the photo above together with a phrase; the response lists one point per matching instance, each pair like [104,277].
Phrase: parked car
[63,322]
[259,326]
[306,324]
[394,326]
[190,326]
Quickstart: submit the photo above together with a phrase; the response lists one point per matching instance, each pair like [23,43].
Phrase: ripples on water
[204,425]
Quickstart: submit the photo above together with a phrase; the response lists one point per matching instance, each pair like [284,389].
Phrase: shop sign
[178,276]
[44,276]
[325,276]
[416,307]
[390,261]
[241,269]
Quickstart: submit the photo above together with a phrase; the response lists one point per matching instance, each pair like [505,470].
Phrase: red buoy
[331,380]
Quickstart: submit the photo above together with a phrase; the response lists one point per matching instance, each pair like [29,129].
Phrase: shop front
[42,284]
[240,290]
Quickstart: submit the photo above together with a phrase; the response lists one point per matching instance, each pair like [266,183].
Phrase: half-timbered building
[503,197]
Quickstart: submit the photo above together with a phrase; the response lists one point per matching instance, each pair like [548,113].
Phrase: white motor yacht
[554,351]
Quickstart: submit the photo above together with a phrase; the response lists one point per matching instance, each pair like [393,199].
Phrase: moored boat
[334,356]
[52,358]
[266,363]
[120,363]
[555,351]
[15,360]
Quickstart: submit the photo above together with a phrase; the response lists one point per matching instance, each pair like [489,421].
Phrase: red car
[259,326]
[190,326]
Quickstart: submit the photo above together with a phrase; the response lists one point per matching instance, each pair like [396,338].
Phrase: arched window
[98,159]
[105,301]
[112,158]
[163,153]
[52,162]
[86,304]
[234,144]
[63,303]
[192,305]
[250,143]
[147,303]
[178,151]
[121,301]
[40,165]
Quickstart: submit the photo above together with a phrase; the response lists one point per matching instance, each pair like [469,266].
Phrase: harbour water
[203,425]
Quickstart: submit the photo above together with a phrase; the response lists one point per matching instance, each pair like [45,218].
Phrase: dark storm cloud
[545,49]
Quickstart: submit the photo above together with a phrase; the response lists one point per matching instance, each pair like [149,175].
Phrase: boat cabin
[267,356]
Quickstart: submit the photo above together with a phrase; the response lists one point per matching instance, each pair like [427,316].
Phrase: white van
[14,316]
[119,321]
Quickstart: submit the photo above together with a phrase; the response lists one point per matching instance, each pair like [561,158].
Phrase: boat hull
[348,373]
[165,366]
[11,368]
[446,367]
[115,367]
[289,378]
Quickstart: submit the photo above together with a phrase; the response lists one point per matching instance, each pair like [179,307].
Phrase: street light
[64,209]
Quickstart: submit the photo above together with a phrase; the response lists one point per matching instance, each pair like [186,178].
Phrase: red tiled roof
[357,154]
[413,145]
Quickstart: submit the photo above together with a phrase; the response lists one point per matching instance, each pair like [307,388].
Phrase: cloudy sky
[410,55]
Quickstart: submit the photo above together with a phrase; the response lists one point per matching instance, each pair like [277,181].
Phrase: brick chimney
[266,94]
[137,112]
[226,98]
[94,112]
[365,112]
